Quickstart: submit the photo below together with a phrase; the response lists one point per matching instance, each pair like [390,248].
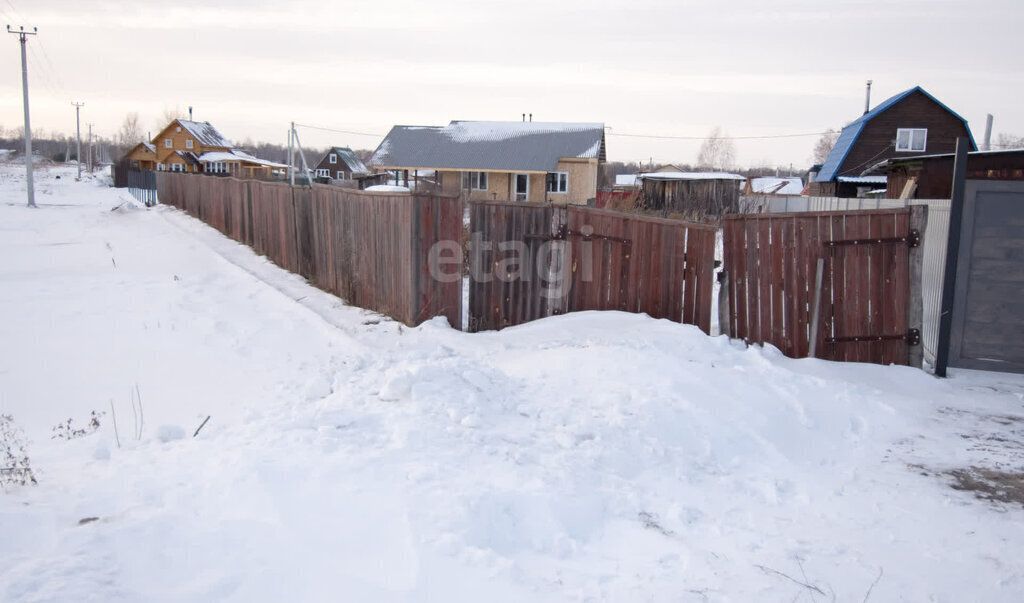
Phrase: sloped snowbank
[596,456]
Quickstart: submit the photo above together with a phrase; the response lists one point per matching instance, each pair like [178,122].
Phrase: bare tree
[1008,141]
[717,152]
[824,145]
[130,133]
[169,115]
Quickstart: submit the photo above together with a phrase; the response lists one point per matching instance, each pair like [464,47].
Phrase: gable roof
[490,145]
[852,132]
[690,176]
[202,131]
[351,160]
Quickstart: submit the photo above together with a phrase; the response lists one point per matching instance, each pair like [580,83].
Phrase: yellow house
[143,156]
[505,161]
[192,146]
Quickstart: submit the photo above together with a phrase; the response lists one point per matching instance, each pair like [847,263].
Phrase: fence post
[724,307]
[915,303]
[816,311]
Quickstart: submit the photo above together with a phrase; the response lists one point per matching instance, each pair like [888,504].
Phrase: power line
[22,37]
[765,137]
[339,131]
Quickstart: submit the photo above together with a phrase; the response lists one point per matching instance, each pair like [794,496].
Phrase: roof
[852,131]
[771,185]
[894,161]
[236,155]
[351,160]
[625,179]
[490,145]
[186,156]
[206,134]
[863,179]
[690,176]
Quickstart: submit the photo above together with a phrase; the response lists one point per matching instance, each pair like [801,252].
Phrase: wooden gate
[531,261]
[869,294]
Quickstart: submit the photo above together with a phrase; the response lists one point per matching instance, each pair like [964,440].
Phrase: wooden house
[910,123]
[142,157]
[931,176]
[505,161]
[197,147]
[340,163]
[696,194]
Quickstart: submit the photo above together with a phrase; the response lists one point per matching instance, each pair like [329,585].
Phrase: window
[216,167]
[179,129]
[341,175]
[558,182]
[911,139]
[161,167]
[474,180]
[167,143]
[177,167]
[332,158]
[188,143]
[323,172]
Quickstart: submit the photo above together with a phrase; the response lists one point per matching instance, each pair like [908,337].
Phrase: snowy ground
[594,456]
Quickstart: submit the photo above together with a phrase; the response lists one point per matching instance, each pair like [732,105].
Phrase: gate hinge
[914,240]
[913,336]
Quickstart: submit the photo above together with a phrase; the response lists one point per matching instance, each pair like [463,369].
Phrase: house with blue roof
[910,123]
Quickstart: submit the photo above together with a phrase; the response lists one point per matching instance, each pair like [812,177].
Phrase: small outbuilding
[696,194]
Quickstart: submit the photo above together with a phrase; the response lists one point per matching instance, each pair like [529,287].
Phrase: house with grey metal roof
[504,161]
[340,163]
[912,122]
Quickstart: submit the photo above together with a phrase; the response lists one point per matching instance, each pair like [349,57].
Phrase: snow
[591,456]
[476,131]
[387,188]
[691,176]
[777,185]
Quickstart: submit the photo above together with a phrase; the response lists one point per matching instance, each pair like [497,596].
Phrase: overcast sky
[649,67]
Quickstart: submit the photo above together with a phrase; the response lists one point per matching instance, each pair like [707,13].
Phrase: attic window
[188,143]
[167,143]
[332,158]
[179,129]
[911,140]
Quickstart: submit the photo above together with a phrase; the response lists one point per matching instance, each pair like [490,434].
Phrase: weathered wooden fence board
[375,251]
[532,261]
[865,295]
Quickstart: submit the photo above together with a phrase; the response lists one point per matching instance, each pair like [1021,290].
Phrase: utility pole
[21,33]
[90,148]
[78,134]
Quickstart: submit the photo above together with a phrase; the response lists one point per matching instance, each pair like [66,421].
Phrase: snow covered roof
[691,176]
[236,155]
[863,179]
[387,188]
[206,134]
[490,145]
[772,185]
[351,160]
[625,179]
[850,134]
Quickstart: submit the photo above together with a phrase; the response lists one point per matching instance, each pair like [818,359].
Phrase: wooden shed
[931,176]
[698,195]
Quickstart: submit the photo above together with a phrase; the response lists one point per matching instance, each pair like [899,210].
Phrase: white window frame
[168,143]
[188,143]
[524,196]
[561,183]
[177,167]
[476,181]
[341,175]
[332,158]
[323,172]
[909,146]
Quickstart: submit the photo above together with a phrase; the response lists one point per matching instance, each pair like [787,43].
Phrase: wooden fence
[870,296]
[532,261]
[376,251]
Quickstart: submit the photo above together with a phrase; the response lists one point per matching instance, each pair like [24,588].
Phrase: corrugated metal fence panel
[374,251]
[531,261]
[772,259]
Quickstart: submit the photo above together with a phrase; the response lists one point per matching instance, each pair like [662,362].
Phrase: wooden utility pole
[78,134]
[22,34]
